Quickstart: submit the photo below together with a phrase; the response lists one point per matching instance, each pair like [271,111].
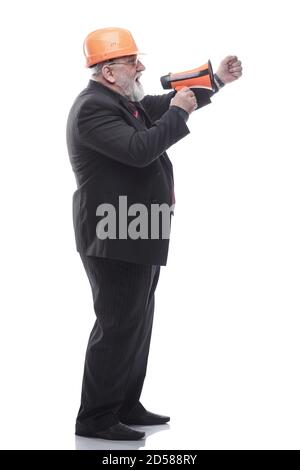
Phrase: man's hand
[230,69]
[185,99]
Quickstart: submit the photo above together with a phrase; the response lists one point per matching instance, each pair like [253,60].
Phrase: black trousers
[117,352]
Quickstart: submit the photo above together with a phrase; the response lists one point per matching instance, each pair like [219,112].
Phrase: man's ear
[107,74]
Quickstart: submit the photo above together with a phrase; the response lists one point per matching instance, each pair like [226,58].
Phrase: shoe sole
[94,436]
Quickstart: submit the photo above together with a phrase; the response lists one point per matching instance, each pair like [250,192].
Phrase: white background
[224,357]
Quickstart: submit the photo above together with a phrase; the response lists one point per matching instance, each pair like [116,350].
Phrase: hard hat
[108,43]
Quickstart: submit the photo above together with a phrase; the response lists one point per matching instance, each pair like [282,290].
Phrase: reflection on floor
[90,443]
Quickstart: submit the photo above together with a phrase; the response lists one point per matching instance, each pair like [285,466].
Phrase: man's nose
[140,66]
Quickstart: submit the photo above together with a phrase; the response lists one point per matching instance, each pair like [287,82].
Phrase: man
[117,140]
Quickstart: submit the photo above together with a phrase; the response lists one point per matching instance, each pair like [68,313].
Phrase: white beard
[138,92]
[133,90]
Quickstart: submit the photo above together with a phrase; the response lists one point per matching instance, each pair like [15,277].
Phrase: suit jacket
[113,153]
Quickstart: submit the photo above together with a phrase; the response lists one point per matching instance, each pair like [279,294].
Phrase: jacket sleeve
[157,105]
[106,132]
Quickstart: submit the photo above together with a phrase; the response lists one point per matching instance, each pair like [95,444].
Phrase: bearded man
[117,140]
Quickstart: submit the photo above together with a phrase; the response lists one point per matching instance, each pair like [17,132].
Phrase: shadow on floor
[91,443]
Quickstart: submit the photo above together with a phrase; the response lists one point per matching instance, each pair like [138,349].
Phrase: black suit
[114,152]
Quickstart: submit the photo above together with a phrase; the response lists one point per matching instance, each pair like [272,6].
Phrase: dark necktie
[137,113]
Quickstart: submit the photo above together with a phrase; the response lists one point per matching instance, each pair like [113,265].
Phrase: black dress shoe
[145,419]
[116,432]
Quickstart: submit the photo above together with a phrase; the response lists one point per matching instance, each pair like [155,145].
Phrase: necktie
[135,112]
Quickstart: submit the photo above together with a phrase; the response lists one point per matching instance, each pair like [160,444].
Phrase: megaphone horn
[201,77]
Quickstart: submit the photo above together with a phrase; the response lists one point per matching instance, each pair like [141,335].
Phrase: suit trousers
[118,347]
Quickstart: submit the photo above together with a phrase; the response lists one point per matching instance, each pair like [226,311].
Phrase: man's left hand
[230,69]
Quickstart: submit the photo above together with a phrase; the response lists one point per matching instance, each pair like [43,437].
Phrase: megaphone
[201,77]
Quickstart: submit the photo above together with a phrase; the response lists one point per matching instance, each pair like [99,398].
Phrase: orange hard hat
[108,43]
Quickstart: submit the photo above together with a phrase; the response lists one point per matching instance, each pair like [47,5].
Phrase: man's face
[127,71]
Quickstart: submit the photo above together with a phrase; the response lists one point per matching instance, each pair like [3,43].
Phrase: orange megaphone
[201,77]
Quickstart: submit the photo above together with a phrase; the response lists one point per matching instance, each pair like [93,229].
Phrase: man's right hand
[185,99]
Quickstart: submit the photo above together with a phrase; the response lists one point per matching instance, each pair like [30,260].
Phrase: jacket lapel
[131,109]
[125,104]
